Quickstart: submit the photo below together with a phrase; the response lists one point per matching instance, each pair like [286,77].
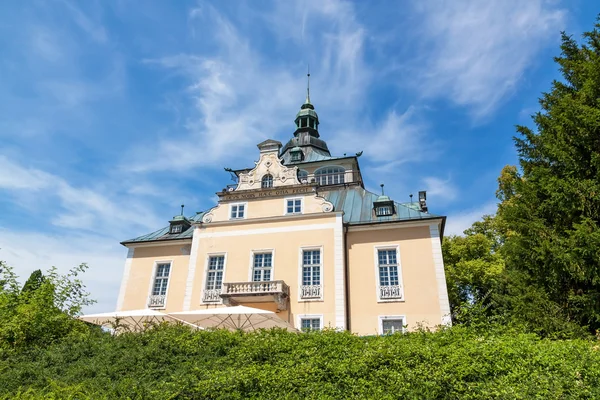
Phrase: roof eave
[433,217]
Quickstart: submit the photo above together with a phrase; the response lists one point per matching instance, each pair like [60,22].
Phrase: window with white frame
[310,323]
[214,278]
[311,274]
[383,211]
[330,175]
[389,278]
[391,325]
[159,286]
[293,206]
[238,211]
[267,181]
[176,228]
[262,267]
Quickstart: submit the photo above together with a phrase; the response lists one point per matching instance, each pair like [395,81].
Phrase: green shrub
[175,362]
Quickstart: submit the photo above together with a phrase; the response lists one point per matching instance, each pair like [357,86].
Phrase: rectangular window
[311,267]
[390,325]
[389,275]
[388,268]
[214,275]
[383,211]
[310,324]
[176,228]
[262,267]
[293,206]
[161,279]
[238,211]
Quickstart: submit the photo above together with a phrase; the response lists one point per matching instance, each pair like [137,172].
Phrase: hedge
[173,362]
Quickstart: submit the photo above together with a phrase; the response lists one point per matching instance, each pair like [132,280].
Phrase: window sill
[396,300]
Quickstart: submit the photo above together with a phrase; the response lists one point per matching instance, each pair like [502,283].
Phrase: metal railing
[390,292]
[211,296]
[310,291]
[157,300]
[255,287]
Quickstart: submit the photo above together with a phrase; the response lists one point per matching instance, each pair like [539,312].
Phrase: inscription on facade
[266,193]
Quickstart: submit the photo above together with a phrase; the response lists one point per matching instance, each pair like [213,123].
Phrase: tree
[473,265]
[44,310]
[552,207]
[35,281]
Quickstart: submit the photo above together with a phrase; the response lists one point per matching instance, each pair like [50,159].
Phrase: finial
[182,209]
[308,84]
[411,197]
[382,189]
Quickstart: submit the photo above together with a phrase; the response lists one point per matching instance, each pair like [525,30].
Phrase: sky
[113,113]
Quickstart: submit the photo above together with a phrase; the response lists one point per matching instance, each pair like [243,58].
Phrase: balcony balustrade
[256,292]
[157,300]
[310,291]
[337,178]
[390,292]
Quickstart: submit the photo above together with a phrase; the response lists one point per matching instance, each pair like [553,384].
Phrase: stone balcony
[236,293]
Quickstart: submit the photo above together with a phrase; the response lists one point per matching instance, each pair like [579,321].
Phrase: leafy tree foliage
[473,267]
[42,312]
[35,281]
[552,207]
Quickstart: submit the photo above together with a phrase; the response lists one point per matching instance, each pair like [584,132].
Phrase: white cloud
[93,28]
[241,96]
[478,51]
[85,208]
[457,222]
[15,177]
[442,189]
[397,139]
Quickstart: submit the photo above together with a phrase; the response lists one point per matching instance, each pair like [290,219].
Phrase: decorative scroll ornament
[326,206]
[269,163]
[207,218]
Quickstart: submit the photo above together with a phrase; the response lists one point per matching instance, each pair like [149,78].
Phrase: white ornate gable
[269,163]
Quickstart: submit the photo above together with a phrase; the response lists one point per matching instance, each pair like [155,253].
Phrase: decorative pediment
[268,164]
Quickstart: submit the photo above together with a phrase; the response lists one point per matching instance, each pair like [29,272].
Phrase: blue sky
[112,114]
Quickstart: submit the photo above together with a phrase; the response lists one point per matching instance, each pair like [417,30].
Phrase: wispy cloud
[79,208]
[443,189]
[459,221]
[477,52]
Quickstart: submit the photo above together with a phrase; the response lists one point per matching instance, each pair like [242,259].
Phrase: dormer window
[267,181]
[296,154]
[383,206]
[384,211]
[179,223]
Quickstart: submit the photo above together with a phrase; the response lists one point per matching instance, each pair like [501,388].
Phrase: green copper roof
[357,205]
[163,233]
[307,111]
[354,201]
[382,198]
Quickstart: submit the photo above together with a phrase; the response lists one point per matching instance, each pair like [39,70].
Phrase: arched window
[302,176]
[266,181]
[330,175]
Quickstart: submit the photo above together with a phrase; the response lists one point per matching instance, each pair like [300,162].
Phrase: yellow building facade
[298,234]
